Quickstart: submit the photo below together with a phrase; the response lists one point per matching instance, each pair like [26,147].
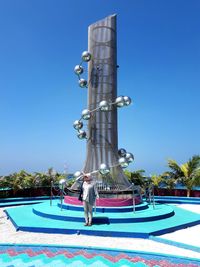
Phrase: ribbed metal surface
[102,143]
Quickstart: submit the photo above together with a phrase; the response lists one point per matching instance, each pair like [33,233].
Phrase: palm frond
[156,179]
[176,169]
[193,164]
[185,169]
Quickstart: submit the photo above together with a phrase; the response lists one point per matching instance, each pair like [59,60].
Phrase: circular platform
[151,214]
[44,218]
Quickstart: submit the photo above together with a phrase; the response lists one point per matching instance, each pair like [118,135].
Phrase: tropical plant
[188,173]
[23,180]
[44,179]
[71,182]
[156,181]
[4,182]
[20,180]
[169,181]
[136,177]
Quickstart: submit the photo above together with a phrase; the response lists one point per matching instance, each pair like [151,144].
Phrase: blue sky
[159,57]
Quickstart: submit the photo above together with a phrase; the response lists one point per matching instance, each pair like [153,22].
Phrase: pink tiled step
[105,202]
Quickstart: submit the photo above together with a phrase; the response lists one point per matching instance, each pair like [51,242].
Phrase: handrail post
[153,200]
[133,198]
[149,193]
[61,196]
[51,194]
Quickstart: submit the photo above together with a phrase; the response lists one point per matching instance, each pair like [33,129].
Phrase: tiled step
[138,207]
[24,219]
[150,214]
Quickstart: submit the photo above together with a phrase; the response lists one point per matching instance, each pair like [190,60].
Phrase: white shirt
[90,192]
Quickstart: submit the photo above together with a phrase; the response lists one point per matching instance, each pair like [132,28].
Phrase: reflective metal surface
[78,69]
[119,101]
[102,139]
[123,162]
[103,169]
[103,105]
[129,157]
[127,100]
[86,114]
[77,174]
[78,125]
[122,152]
[82,83]
[86,56]
[82,134]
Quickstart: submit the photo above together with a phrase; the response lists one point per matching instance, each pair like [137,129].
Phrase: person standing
[89,194]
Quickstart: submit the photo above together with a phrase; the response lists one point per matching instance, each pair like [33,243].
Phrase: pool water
[61,256]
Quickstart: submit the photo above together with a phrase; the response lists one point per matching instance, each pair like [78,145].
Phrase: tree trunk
[188,192]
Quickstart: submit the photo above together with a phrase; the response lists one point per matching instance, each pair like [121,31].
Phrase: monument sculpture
[104,160]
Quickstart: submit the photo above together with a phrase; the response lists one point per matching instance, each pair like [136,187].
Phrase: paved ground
[190,236]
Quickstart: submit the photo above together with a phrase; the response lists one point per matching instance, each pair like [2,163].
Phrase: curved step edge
[104,220]
[105,209]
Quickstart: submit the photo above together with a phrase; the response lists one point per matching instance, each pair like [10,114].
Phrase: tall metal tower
[102,135]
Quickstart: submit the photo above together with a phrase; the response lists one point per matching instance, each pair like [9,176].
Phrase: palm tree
[169,181]
[4,182]
[156,180]
[188,173]
[19,181]
[136,177]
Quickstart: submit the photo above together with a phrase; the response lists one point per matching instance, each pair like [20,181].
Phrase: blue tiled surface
[25,219]
[52,256]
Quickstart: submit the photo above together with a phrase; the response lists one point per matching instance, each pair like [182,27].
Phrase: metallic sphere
[62,183]
[86,56]
[103,105]
[82,83]
[77,174]
[78,125]
[122,152]
[86,114]
[119,101]
[123,162]
[82,134]
[129,157]
[127,100]
[78,69]
[103,169]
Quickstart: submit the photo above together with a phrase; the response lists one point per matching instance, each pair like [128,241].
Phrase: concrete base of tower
[111,198]
[115,201]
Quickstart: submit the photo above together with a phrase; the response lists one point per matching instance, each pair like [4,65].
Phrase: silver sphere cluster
[85,57]
[121,101]
[104,106]
[78,125]
[125,158]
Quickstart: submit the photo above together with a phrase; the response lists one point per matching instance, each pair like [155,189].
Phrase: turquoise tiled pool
[60,256]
